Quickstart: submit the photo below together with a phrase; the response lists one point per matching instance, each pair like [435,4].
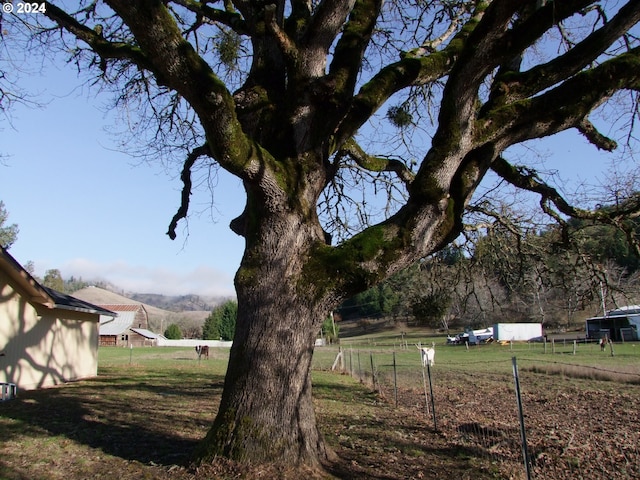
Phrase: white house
[46,337]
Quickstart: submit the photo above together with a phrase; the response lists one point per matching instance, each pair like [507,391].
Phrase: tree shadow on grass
[149,422]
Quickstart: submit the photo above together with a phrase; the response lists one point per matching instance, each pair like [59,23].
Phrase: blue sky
[93,212]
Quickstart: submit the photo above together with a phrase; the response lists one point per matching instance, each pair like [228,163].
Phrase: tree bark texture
[266,413]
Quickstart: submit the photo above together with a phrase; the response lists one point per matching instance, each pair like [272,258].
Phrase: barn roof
[124,307]
[145,333]
[118,325]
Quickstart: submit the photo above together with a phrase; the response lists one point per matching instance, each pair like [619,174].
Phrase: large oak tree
[279,93]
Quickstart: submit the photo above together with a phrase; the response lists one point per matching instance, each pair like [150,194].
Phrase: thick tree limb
[228,17]
[616,216]
[516,85]
[410,70]
[595,137]
[527,179]
[286,44]
[565,106]
[375,164]
[177,65]
[185,176]
[353,42]
[101,46]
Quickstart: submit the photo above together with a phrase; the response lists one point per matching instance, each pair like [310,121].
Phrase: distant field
[494,357]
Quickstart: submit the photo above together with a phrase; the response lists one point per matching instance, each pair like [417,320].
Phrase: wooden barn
[129,328]
[46,337]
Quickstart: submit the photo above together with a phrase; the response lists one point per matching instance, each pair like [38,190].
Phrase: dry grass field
[143,415]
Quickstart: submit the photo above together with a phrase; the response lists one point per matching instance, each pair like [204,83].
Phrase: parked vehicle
[472,337]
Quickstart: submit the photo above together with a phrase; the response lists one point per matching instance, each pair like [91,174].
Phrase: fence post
[338,361]
[574,347]
[523,432]
[433,402]
[395,380]
[373,372]
[359,368]
[424,385]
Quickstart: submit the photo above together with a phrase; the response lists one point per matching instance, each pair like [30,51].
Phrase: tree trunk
[266,413]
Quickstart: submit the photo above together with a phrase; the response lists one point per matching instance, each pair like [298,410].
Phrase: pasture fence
[525,426]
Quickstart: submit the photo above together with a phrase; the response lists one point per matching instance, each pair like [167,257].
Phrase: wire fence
[529,425]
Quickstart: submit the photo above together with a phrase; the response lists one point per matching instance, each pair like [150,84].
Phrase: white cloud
[203,280]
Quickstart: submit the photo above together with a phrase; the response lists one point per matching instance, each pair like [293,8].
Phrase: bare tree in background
[296,98]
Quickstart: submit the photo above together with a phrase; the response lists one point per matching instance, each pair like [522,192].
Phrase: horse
[203,350]
[603,343]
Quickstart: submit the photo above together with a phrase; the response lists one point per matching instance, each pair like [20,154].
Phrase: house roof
[32,289]
[67,302]
[48,297]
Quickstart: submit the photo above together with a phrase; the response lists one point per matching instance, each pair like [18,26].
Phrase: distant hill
[178,303]
[190,321]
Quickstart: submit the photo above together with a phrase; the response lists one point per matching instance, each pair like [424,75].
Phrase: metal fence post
[523,433]
[433,402]
[395,379]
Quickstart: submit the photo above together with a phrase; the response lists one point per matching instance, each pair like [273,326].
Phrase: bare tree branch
[185,176]
[94,38]
[229,16]
[375,164]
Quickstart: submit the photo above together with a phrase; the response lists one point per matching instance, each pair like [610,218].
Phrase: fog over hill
[187,311]
[178,303]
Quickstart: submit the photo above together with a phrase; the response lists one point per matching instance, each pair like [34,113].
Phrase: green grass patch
[149,407]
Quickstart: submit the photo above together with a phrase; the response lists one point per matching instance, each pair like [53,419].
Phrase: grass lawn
[145,412]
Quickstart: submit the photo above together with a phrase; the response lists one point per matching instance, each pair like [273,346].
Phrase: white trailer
[517,332]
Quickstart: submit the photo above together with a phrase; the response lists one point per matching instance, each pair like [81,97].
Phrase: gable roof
[116,326]
[36,293]
[33,291]
[67,302]
[127,314]
[146,333]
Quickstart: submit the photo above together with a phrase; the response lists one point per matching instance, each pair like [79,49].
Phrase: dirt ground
[575,429]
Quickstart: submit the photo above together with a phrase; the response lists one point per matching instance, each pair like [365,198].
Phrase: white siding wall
[42,351]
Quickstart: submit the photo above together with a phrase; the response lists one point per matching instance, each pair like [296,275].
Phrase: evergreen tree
[173,332]
[221,324]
